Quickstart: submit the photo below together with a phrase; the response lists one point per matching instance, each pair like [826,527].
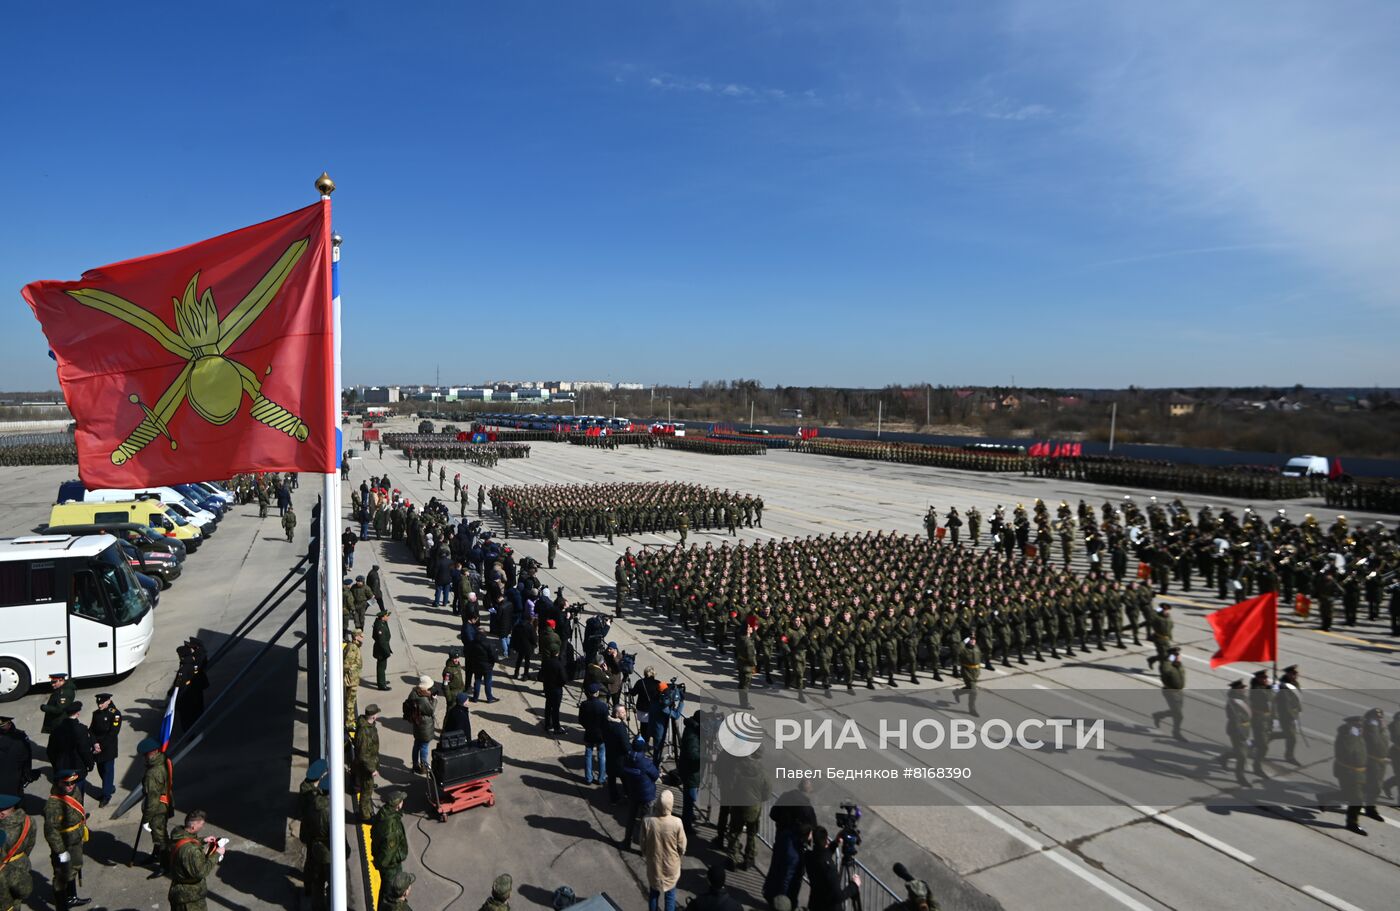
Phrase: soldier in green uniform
[683,525]
[17,836]
[797,656]
[847,639]
[454,679]
[745,661]
[393,894]
[1161,633]
[65,831]
[1237,728]
[867,643]
[1261,719]
[359,601]
[157,798]
[908,634]
[376,588]
[366,765]
[192,859]
[353,667]
[552,537]
[1349,767]
[1173,676]
[1377,739]
[314,814]
[974,525]
[970,658]
[289,523]
[480,499]
[623,586]
[383,648]
[55,708]
[501,888]
[263,500]
[1288,709]
[387,840]
[820,649]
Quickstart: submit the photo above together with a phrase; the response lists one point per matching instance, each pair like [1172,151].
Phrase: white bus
[69,604]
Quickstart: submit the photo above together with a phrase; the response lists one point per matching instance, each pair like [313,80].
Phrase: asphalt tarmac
[549,829]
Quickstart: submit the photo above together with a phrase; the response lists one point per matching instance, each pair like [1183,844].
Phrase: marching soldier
[289,522]
[552,537]
[1288,709]
[1377,739]
[745,661]
[1349,767]
[970,657]
[1173,676]
[1237,728]
[1261,719]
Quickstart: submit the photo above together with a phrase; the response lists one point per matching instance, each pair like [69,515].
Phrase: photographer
[824,875]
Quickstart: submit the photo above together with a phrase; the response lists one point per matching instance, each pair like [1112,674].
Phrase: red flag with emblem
[202,362]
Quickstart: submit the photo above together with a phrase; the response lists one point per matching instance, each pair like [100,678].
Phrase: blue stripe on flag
[167,724]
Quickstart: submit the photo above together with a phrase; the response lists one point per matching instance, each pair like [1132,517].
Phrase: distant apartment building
[379,395]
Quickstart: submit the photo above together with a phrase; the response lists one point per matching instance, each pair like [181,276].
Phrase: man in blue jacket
[639,775]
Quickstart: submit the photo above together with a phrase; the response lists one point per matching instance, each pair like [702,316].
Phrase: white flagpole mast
[331,598]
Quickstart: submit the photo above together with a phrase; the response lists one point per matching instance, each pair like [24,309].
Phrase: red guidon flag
[1247,631]
[202,362]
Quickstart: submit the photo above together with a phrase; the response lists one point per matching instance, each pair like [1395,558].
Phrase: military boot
[1353,823]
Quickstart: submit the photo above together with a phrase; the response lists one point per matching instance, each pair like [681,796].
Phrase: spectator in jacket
[442,580]
[746,796]
[419,709]
[593,717]
[639,775]
[827,893]
[689,765]
[522,642]
[503,623]
[459,717]
[553,677]
[480,656]
[663,846]
[616,739]
[716,899]
[793,821]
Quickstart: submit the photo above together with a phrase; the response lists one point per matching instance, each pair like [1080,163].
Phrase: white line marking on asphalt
[586,568]
[1048,852]
[1327,898]
[1063,693]
[1160,815]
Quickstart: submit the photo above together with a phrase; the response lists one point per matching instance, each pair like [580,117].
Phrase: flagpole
[331,595]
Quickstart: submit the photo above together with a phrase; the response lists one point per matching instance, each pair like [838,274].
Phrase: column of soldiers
[57,452]
[916,454]
[1244,482]
[596,510]
[613,440]
[713,445]
[879,605]
[1379,495]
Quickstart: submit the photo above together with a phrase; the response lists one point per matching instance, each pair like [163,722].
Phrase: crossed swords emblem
[213,382]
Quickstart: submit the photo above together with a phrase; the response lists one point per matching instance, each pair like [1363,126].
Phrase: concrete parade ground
[547,828]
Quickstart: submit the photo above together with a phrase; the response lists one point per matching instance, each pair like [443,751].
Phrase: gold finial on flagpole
[325,186]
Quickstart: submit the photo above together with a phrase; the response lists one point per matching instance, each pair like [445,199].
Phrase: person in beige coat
[663,846]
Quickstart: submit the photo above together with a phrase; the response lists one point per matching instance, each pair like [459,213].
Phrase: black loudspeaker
[466,764]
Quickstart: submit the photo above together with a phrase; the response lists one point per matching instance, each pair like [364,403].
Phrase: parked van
[179,504]
[143,512]
[1306,466]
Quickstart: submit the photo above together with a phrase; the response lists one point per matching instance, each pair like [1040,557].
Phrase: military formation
[613,440]
[713,445]
[916,454]
[607,510]
[417,447]
[38,449]
[1378,495]
[1246,482]
[881,605]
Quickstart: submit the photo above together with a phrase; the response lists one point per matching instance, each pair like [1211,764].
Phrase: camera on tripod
[848,830]
[673,700]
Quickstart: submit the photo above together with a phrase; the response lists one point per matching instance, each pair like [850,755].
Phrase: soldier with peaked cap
[1237,728]
[55,708]
[65,831]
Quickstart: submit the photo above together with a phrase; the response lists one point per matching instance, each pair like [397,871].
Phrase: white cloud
[669,82]
[1280,117]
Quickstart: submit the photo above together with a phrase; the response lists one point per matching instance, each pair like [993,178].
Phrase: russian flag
[167,724]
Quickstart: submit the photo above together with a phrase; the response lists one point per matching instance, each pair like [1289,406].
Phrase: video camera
[673,700]
[848,831]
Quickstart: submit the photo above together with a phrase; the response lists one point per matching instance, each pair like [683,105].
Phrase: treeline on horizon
[1284,420]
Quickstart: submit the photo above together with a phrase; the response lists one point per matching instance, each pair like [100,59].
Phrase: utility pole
[1112,425]
[750,414]
[879,416]
[668,409]
[928,403]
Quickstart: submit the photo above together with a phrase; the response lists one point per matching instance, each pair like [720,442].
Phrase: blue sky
[854,193]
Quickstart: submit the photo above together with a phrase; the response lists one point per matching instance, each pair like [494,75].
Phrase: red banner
[201,362]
